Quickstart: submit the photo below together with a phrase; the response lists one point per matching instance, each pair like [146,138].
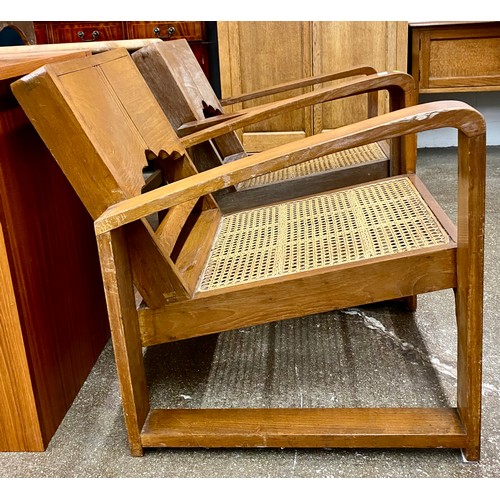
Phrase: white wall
[487,103]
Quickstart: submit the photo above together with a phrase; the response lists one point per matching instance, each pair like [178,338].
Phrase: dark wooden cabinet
[70,32]
[99,31]
[53,318]
[166,30]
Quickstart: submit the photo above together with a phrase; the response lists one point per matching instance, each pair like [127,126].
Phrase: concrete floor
[374,355]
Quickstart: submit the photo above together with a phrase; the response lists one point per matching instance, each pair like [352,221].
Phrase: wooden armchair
[186,97]
[201,272]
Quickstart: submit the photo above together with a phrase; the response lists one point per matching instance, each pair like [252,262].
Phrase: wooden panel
[166,30]
[19,425]
[42,32]
[339,45]
[305,427]
[453,57]
[292,50]
[54,269]
[254,55]
[259,141]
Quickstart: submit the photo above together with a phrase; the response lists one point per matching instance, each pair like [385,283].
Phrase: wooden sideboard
[53,319]
[99,31]
[455,57]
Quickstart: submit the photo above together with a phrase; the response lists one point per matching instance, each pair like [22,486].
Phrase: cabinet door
[342,45]
[255,55]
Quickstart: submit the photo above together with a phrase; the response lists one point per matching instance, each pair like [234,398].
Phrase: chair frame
[178,311]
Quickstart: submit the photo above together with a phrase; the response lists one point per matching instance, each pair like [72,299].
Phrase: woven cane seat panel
[350,225]
[355,156]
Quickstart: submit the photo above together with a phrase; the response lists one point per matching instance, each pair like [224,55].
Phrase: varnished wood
[19,425]
[305,428]
[52,330]
[126,241]
[117,278]
[306,293]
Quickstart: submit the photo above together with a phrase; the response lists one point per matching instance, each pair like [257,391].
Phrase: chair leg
[410,303]
[469,327]
[118,284]
[469,292]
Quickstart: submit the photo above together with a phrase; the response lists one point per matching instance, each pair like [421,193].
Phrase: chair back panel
[185,94]
[104,126]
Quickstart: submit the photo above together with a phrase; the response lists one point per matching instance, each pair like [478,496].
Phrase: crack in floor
[375,325]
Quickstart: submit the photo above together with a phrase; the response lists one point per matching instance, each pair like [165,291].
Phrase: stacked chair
[197,270]
[188,100]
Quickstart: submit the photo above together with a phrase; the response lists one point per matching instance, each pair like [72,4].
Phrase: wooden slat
[299,186]
[19,64]
[299,84]
[305,427]
[170,227]
[196,248]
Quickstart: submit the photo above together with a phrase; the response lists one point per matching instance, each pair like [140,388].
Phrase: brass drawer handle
[170,31]
[95,36]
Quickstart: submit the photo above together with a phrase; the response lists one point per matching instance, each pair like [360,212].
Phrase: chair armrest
[401,88]
[404,121]
[297,84]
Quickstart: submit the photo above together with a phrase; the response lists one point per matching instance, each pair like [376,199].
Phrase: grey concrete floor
[372,355]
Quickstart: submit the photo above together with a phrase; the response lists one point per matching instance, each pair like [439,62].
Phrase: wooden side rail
[297,84]
[397,84]
[404,121]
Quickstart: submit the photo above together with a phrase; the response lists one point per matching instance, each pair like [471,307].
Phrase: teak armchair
[187,98]
[201,272]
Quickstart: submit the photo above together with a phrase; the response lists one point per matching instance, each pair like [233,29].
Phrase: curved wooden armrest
[401,88]
[404,121]
[297,84]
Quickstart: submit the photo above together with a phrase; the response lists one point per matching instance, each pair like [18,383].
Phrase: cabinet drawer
[66,32]
[166,30]
[461,58]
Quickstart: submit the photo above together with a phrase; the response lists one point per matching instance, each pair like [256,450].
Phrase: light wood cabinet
[455,57]
[254,55]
